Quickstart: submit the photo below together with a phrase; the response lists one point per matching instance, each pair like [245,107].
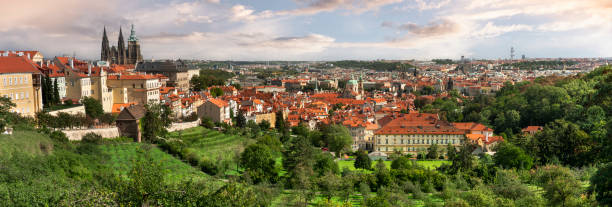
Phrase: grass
[429,164]
[213,145]
[28,142]
[121,157]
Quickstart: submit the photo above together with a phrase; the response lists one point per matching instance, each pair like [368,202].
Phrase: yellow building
[21,83]
[83,80]
[138,88]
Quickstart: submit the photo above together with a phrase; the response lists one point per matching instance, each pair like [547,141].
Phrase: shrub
[91,138]
[208,167]
[59,136]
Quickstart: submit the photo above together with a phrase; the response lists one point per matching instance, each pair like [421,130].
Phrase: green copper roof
[133,35]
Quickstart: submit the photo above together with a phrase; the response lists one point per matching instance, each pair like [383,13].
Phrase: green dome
[353,82]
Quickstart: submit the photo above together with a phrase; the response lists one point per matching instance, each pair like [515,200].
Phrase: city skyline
[315,29]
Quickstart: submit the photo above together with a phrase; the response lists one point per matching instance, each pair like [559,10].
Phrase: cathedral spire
[105,51]
[121,59]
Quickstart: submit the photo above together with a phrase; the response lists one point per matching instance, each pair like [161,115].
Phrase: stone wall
[184,125]
[114,131]
[73,110]
[105,133]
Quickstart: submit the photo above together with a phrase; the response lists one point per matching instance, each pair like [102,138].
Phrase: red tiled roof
[220,103]
[17,65]
[131,77]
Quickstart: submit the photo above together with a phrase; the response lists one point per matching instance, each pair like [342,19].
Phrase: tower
[121,49]
[133,50]
[511,53]
[105,53]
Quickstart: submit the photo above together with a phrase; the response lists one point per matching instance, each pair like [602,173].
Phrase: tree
[401,163]
[325,164]
[152,124]
[166,111]
[146,182]
[259,163]
[433,152]
[241,120]
[451,151]
[509,156]
[601,185]
[564,141]
[363,161]
[93,107]
[5,105]
[56,96]
[215,92]
[264,125]
[562,190]
[337,137]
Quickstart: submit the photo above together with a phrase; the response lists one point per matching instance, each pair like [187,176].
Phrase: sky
[313,29]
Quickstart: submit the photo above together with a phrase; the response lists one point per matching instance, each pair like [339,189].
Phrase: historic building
[176,71]
[20,81]
[120,54]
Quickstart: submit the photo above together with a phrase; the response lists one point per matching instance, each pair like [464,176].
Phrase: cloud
[441,27]
[490,30]
[311,7]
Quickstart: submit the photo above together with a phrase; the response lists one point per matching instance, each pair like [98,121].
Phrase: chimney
[71,63]
[29,56]
[88,69]
[48,63]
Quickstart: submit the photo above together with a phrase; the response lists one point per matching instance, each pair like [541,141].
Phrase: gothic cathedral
[120,55]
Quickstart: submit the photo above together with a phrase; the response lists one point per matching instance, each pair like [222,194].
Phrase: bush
[59,136]
[191,117]
[208,167]
[91,138]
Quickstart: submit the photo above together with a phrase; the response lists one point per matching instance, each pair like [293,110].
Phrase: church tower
[121,57]
[105,53]
[133,50]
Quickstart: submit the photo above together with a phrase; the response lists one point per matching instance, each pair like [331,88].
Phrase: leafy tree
[509,156]
[91,138]
[215,92]
[56,96]
[433,152]
[5,106]
[401,163]
[258,161]
[145,183]
[325,164]
[362,160]
[451,151]
[240,120]
[264,125]
[152,124]
[93,107]
[562,190]
[563,140]
[338,138]
[601,185]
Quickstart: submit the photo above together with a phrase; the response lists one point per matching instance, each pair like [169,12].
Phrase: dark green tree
[401,163]
[509,156]
[433,152]
[93,107]
[152,125]
[259,163]
[56,96]
[601,185]
[5,106]
[362,160]
[241,120]
[338,138]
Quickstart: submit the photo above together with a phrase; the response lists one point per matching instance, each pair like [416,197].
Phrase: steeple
[105,51]
[132,35]
[121,59]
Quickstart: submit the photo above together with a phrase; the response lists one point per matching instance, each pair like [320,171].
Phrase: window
[20,80]
[25,80]
[10,81]
[4,81]
[21,95]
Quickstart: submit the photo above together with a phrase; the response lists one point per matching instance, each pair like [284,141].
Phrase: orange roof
[471,126]
[475,137]
[532,128]
[418,123]
[117,108]
[131,77]
[17,65]
[218,102]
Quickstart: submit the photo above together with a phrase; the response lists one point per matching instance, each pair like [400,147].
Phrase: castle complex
[120,55]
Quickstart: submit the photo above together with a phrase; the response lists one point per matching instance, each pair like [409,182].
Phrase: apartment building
[21,83]
[138,88]
[83,80]
[415,132]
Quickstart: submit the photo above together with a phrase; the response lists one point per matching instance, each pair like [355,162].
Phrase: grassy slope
[122,156]
[26,142]
[212,145]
